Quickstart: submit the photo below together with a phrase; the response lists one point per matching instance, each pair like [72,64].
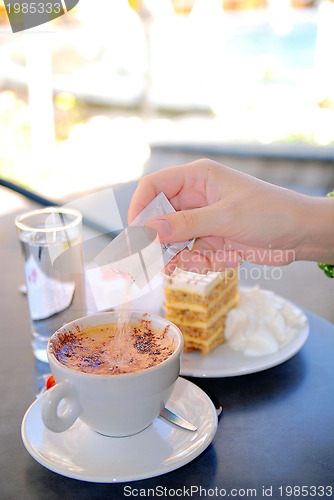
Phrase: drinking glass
[50,239]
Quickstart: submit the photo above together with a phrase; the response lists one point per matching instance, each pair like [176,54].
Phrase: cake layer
[198,284]
[177,289]
[198,312]
[180,317]
[200,332]
[205,346]
[200,301]
[199,304]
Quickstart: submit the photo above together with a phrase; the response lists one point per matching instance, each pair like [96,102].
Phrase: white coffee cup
[113,405]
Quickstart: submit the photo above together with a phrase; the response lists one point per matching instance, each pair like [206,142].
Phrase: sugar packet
[137,251]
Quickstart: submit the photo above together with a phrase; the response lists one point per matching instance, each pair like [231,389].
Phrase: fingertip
[231,259]
[161,226]
[170,267]
[193,261]
[202,262]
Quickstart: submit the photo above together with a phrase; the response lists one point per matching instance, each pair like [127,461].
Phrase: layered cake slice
[198,304]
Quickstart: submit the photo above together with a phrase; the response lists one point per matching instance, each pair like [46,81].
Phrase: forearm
[317,219]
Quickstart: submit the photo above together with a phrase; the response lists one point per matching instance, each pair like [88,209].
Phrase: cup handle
[60,422]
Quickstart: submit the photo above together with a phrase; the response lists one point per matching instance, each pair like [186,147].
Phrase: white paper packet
[137,251]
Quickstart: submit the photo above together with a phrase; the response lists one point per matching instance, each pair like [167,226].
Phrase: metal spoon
[174,418]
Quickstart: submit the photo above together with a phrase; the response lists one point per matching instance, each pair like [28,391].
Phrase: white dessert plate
[226,362]
[81,453]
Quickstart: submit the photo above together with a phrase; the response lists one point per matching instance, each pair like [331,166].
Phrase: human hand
[232,215]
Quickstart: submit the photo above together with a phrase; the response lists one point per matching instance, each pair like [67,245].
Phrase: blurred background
[115,89]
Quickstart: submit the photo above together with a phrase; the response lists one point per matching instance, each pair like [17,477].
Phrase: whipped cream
[262,323]
[194,282]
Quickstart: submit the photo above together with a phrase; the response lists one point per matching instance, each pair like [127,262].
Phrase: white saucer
[81,453]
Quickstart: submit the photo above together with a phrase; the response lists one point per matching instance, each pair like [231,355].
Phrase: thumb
[186,224]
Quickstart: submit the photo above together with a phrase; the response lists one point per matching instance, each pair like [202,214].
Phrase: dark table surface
[276,434]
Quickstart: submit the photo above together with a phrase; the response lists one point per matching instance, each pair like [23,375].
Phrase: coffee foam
[100,350]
